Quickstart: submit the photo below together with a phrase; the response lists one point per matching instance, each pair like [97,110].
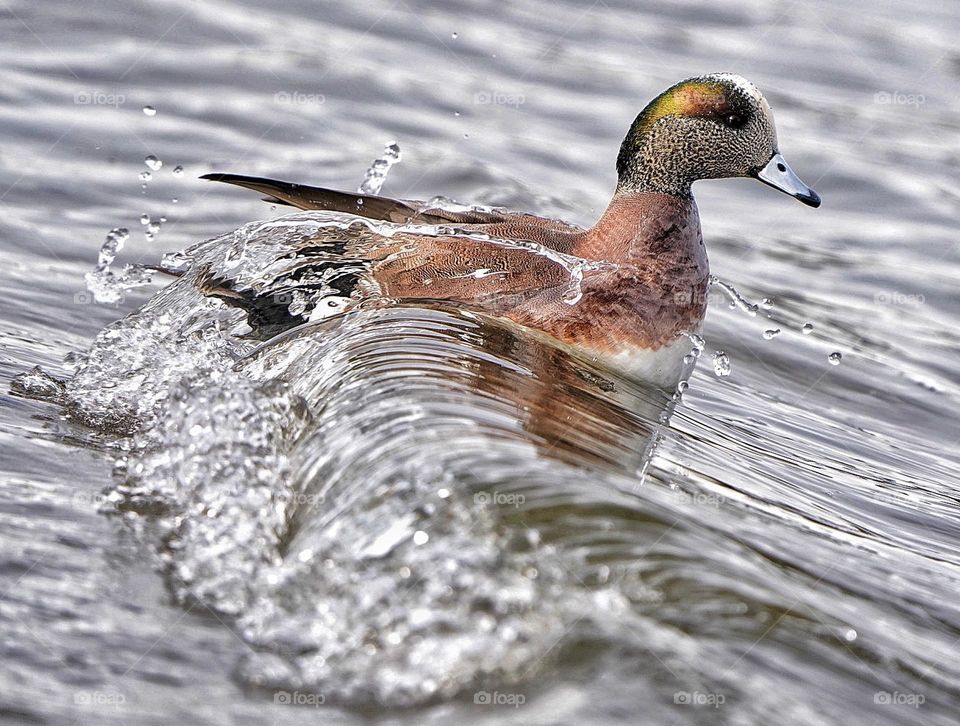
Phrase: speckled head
[709,127]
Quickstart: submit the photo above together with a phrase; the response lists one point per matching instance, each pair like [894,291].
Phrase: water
[422,516]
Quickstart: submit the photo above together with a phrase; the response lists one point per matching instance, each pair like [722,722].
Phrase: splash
[737,300]
[108,286]
[452,205]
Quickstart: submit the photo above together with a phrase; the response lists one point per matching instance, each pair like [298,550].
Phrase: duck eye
[733,120]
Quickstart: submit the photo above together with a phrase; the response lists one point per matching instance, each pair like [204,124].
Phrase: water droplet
[766,303]
[443,493]
[807,328]
[144,219]
[834,358]
[377,173]
[114,243]
[771,334]
[178,170]
[174,200]
[689,358]
[698,345]
[457,114]
[682,386]
[145,176]
[721,364]
[850,635]
[454,35]
[153,163]
[420,537]
[149,111]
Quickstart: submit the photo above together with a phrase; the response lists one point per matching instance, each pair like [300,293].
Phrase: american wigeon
[624,291]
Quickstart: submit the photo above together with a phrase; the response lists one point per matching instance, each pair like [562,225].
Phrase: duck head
[710,127]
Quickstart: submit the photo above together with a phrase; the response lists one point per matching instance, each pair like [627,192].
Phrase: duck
[628,292]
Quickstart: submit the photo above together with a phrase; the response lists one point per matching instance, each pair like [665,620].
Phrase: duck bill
[778,174]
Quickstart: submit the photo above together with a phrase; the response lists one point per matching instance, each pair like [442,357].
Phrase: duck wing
[362,205]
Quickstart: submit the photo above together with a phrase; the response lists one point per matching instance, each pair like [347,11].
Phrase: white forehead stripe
[740,82]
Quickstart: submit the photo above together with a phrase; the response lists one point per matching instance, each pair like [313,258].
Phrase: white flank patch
[663,367]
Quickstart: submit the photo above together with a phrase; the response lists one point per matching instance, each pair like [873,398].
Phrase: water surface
[411,511]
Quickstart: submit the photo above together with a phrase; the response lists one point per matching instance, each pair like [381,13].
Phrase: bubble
[771,334]
[153,163]
[149,111]
[807,328]
[834,358]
